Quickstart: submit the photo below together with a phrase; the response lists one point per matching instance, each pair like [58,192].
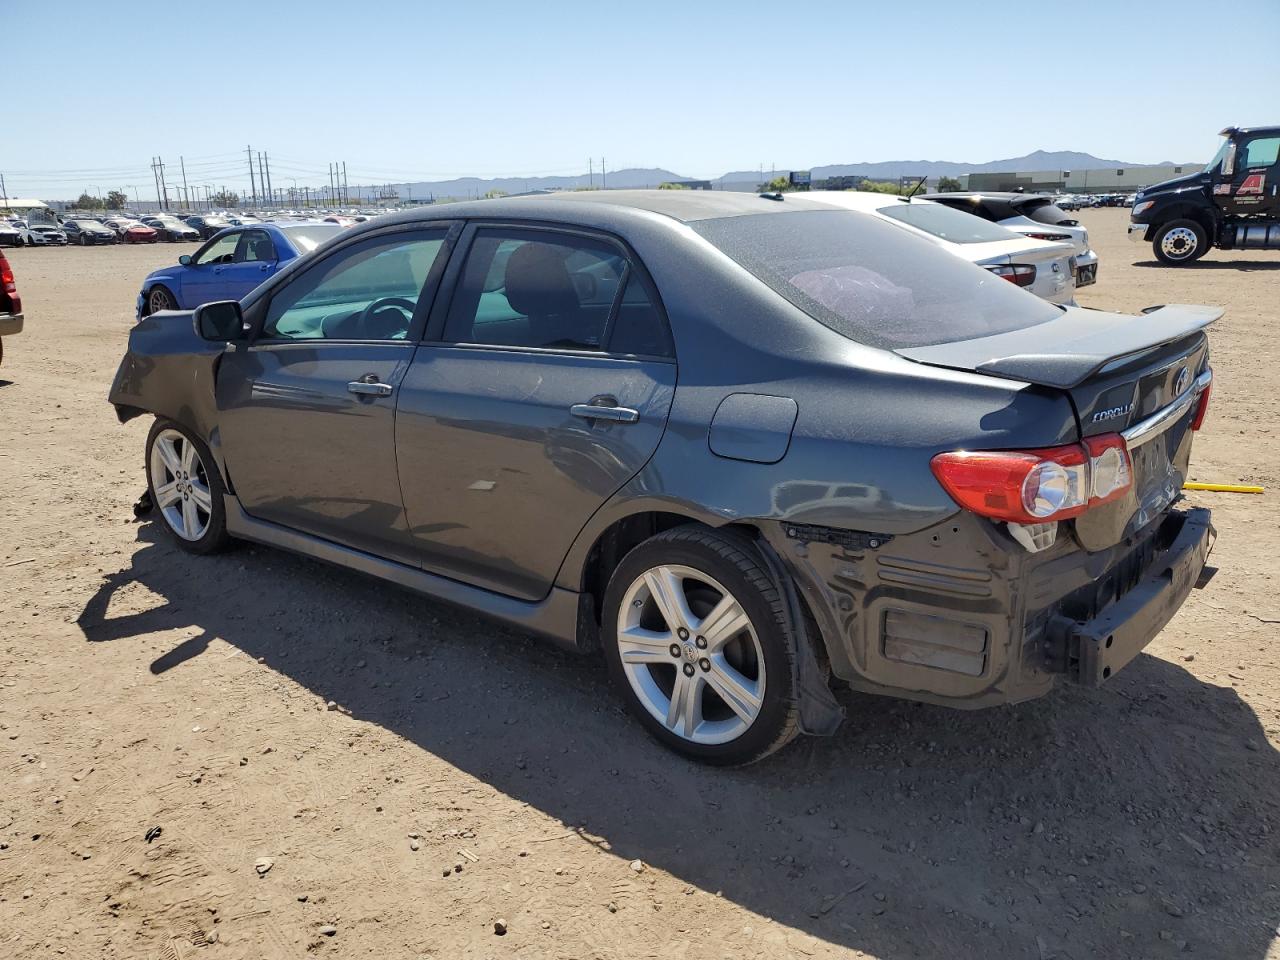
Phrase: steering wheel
[400,303]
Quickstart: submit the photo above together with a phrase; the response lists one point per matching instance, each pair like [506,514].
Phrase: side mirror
[185,259]
[220,321]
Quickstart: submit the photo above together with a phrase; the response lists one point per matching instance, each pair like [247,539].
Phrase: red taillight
[1202,407]
[1020,274]
[1037,486]
[6,277]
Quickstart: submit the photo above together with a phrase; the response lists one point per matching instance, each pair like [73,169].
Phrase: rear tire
[715,685]
[1180,242]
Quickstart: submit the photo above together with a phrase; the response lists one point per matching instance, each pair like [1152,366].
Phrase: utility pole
[346,197]
[330,178]
[3,193]
[253,186]
[604,177]
[591,172]
[272,192]
[186,197]
[164,187]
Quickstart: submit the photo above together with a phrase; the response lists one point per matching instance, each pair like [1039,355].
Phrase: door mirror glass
[185,260]
[220,321]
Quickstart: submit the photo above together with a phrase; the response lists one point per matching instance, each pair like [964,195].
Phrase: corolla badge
[1111,413]
[1181,382]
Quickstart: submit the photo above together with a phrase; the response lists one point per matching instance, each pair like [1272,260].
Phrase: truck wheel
[1179,242]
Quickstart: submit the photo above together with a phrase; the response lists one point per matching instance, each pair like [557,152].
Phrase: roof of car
[683,206]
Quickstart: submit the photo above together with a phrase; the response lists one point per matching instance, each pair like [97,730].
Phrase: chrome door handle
[370,386]
[605,408]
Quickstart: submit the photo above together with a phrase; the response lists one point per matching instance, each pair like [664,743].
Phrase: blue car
[229,265]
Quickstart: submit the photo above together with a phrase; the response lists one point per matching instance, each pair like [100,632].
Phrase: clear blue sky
[405,90]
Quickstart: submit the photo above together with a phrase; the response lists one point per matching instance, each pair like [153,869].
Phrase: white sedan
[1043,267]
[1032,215]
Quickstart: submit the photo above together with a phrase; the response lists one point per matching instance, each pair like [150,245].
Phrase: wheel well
[624,535]
[1199,215]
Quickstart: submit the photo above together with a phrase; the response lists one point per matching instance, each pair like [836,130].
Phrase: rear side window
[1047,212]
[874,282]
[547,290]
[305,239]
[948,224]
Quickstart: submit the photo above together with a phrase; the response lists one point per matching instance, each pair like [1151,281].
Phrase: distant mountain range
[652,177]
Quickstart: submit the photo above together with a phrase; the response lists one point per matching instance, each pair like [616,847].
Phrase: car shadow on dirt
[1134,821]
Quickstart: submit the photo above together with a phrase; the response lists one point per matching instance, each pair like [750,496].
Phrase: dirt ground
[411,774]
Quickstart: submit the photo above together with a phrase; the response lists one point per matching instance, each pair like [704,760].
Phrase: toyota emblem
[1181,382]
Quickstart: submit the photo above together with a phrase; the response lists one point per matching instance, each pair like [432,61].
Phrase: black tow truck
[1232,204]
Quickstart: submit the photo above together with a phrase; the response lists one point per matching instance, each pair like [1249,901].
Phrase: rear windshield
[947,223]
[305,239]
[873,282]
[1046,212]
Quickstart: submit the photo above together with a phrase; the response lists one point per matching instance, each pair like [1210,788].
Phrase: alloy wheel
[1179,243]
[691,654]
[159,300]
[181,485]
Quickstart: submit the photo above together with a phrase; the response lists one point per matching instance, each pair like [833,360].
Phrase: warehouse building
[1107,180]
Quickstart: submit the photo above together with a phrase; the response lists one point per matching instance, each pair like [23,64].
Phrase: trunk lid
[1135,375]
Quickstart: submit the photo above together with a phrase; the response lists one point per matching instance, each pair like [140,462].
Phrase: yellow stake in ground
[1222,487]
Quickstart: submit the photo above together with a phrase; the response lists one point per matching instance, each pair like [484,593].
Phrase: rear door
[544,386]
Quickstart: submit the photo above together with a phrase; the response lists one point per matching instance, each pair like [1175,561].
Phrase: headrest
[538,282]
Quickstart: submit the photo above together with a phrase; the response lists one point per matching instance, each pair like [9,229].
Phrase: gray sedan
[743,445]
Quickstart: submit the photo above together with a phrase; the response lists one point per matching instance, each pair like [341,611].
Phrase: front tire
[695,637]
[1179,242]
[186,488]
[161,298]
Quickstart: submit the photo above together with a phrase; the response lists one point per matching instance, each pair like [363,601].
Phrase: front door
[253,262]
[547,389]
[307,410]
[205,279]
[1251,187]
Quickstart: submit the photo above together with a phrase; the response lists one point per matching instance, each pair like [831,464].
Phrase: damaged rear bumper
[962,616]
[1097,648]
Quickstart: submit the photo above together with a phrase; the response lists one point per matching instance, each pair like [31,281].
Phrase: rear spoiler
[1070,349]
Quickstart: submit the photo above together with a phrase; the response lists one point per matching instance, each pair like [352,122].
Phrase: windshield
[1217,157]
[942,221]
[1045,211]
[305,239]
[873,282]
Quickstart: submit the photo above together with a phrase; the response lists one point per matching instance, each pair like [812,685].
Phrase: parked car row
[739,443]
[1082,201]
[87,229]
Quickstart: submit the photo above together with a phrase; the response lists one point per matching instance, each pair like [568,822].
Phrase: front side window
[873,282]
[366,292]
[526,288]
[1262,152]
[222,250]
